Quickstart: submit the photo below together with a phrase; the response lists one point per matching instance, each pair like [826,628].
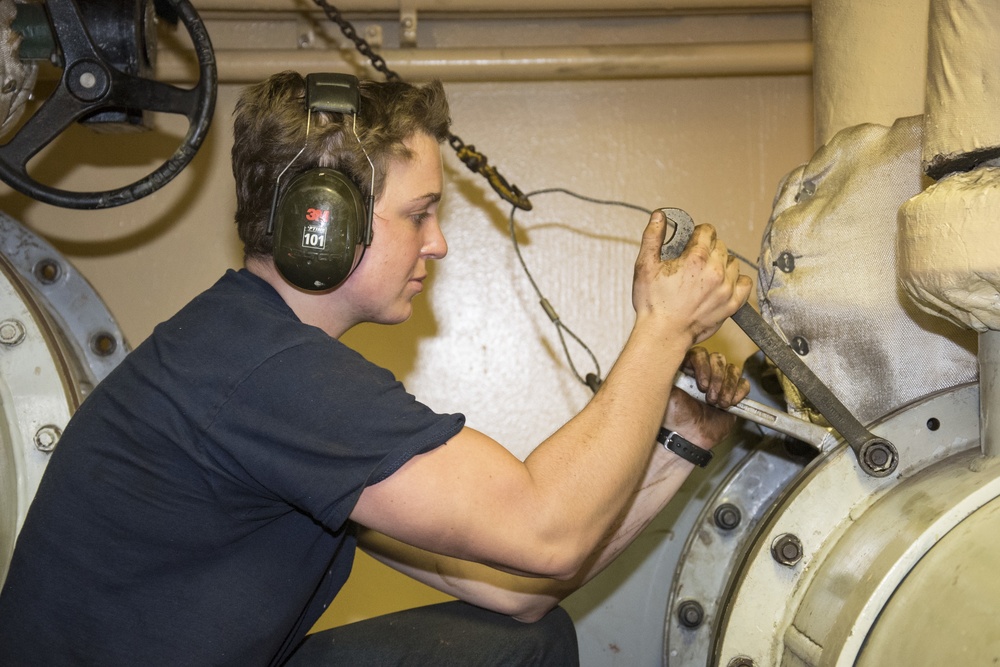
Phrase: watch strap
[684,448]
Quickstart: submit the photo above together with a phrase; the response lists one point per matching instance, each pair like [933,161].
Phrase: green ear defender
[320,222]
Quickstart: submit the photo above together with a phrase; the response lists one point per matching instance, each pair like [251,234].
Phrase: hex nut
[47,437]
[787,549]
[11,332]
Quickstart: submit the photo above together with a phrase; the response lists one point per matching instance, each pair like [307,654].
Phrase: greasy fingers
[652,240]
[647,263]
[734,389]
[706,234]
[721,382]
[741,284]
[693,294]
[696,364]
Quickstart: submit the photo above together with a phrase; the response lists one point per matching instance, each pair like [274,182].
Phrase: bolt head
[11,332]
[787,549]
[47,437]
[727,516]
[690,614]
[878,458]
[48,271]
[103,344]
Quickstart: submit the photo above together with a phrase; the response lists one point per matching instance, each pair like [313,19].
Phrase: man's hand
[723,386]
[694,293]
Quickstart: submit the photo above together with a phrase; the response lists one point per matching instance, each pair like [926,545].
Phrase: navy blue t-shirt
[195,511]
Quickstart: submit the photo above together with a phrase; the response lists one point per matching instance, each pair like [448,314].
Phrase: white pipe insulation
[949,251]
[870,62]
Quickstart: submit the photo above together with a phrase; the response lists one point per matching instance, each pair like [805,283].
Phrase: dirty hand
[724,387]
[694,293]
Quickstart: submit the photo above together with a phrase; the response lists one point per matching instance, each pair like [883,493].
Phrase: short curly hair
[269,128]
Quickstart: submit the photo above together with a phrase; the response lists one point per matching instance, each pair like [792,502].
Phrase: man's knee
[447,634]
[553,639]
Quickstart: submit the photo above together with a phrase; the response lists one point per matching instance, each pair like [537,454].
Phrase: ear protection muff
[320,222]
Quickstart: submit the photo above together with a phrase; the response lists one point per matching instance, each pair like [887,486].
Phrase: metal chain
[474,160]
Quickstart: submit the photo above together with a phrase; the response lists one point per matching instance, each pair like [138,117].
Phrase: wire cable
[592,380]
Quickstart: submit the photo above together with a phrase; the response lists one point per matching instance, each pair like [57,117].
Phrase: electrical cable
[477,162]
[592,380]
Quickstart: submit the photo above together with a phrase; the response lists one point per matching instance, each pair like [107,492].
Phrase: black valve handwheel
[89,84]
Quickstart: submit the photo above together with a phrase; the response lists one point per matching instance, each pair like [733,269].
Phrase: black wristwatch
[684,448]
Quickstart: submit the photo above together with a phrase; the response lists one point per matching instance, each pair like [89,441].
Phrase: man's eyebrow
[428,198]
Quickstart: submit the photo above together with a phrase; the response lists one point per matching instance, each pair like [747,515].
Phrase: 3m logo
[314,235]
[317,215]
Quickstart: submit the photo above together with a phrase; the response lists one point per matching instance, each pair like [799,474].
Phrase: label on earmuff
[314,232]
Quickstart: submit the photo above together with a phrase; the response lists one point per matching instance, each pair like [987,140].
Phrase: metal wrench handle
[876,456]
[777,420]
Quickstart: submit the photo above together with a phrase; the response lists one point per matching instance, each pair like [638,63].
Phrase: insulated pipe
[948,242]
[963,79]
[989,393]
[480,6]
[521,64]
[871,62]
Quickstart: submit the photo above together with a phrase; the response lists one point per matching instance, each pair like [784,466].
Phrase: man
[203,504]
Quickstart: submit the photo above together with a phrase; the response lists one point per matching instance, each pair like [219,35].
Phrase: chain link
[473,159]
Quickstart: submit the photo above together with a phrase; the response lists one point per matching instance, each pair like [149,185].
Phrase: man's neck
[318,309]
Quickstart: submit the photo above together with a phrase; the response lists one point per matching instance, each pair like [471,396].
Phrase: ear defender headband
[320,224]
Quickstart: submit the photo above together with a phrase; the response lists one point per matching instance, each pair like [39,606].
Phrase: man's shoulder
[238,306]
[227,331]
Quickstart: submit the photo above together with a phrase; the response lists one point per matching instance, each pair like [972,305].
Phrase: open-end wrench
[876,456]
[821,438]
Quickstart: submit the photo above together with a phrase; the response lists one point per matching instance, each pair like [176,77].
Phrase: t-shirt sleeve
[315,424]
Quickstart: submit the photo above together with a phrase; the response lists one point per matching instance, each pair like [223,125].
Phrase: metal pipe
[521,63]
[506,6]
[989,391]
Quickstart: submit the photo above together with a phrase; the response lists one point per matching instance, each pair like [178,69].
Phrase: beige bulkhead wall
[478,342]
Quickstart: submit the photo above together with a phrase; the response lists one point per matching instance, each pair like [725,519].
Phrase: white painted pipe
[479,6]
[963,81]
[989,392]
[871,62]
[520,64]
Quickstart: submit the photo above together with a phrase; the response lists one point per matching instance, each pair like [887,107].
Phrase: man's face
[406,234]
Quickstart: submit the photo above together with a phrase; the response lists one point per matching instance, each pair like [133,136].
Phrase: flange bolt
[727,516]
[690,614]
[47,437]
[11,332]
[878,457]
[787,549]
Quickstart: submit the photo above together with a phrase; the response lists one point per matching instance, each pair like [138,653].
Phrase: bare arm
[473,500]
[529,598]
